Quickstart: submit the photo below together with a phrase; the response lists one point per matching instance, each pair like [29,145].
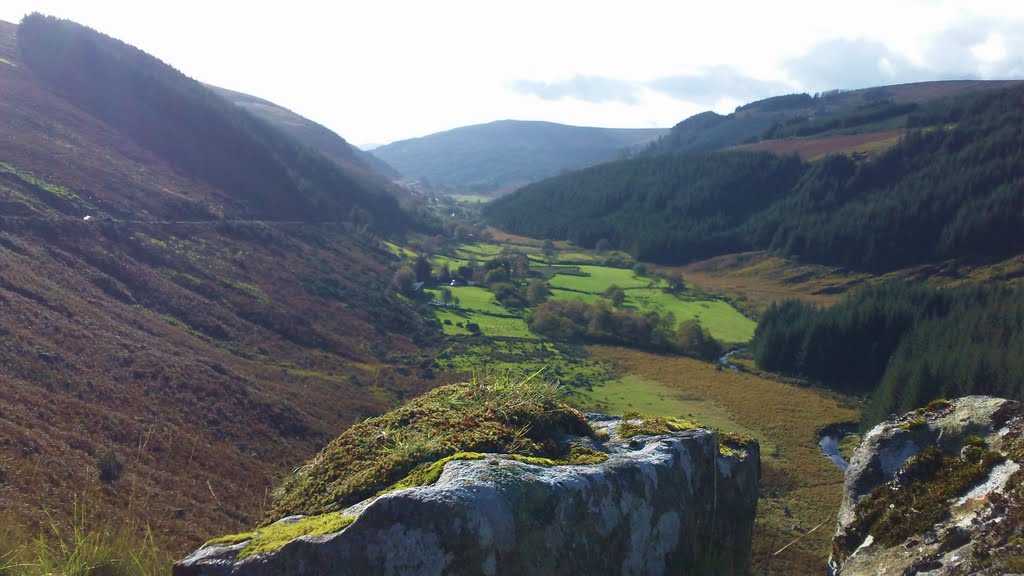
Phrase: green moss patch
[426,474]
[493,413]
[894,512]
[273,537]
[634,424]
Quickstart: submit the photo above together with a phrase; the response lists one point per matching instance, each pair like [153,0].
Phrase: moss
[273,537]
[895,511]
[578,456]
[911,424]
[937,405]
[732,444]
[494,413]
[426,474]
[973,440]
[230,539]
[634,424]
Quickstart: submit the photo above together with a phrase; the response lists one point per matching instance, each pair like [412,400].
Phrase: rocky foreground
[660,504]
[938,491]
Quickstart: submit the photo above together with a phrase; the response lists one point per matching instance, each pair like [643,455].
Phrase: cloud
[849,64]
[587,88]
[716,84]
[971,49]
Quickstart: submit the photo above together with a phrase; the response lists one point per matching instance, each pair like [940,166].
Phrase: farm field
[597,279]
[585,282]
[493,326]
[800,487]
[725,323]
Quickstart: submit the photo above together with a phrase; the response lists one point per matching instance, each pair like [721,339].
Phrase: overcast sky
[381,70]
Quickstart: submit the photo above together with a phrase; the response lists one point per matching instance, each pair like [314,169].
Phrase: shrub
[109,466]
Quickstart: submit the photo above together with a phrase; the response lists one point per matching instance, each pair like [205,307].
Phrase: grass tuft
[492,413]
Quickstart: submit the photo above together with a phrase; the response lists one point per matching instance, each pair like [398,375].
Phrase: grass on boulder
[492,413]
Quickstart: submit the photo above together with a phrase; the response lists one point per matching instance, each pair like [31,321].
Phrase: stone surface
[667,504]
[983,531]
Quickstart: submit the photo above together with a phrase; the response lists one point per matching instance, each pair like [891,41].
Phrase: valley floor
[800,487]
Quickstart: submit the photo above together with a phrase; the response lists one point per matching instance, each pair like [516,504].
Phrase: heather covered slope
[166,358]
[267,175]
[370,169]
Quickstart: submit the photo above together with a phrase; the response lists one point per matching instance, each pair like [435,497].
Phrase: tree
[676,283]
[693,340]
[446,294]
[443,273]
[421,268]
[602,245]
[403,279]
[616,294]
[536,292]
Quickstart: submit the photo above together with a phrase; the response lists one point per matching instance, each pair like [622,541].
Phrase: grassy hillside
[168,345]
[500,156]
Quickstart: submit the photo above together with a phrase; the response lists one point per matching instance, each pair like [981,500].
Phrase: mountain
[500,156]
[836,112]
[316,136]
[953,187]
[191,303]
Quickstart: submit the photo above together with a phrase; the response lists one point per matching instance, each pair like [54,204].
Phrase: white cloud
[391,69]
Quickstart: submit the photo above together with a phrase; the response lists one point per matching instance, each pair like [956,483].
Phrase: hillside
[950,189]
[831,113]
[174,338]
[267,175]
[371,169]
[500,156]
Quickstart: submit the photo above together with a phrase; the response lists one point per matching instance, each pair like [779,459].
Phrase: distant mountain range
[499,156]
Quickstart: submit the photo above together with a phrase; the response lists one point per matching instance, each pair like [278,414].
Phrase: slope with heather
[371,169]
[172,339]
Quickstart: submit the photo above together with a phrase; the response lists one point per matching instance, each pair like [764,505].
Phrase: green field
[725,323]
[494,326]
[399,251]
[633,393]
[479,251]
[587,297]
[452,263]
[599,278]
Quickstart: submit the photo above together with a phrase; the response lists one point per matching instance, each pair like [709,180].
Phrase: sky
[385,70]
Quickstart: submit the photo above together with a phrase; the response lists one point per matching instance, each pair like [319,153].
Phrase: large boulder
[936,491]
[660,504]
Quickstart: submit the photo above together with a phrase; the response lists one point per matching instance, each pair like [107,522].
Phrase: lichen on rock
[649,504]
[939,491]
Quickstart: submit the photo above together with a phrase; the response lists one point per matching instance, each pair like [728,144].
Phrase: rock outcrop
[936,491]
[663,504]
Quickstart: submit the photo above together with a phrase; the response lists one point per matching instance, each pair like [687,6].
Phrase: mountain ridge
[496,156]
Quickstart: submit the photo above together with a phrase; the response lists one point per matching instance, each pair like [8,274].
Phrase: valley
[205,296]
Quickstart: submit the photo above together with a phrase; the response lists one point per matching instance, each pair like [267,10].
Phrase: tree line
[901,345]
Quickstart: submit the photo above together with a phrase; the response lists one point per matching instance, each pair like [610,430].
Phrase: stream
[724,360]
[830,446]
[829,439]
